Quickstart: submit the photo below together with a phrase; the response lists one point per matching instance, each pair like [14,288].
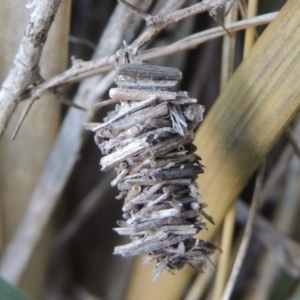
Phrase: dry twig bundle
[148,140]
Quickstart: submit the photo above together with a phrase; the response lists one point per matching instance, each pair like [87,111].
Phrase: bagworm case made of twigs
[148,140]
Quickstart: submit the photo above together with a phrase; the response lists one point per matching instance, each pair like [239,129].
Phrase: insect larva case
[147,139]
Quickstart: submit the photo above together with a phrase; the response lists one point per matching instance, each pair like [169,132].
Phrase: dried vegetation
[147,139]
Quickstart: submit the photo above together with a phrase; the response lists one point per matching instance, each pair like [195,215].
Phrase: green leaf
[10,292]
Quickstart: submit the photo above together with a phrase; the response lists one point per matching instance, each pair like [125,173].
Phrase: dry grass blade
[285,250]
[229,219]
[250,33]
[276,174]
[224,259]
[246,238]
[244,108]
[227,69]
[294,142]
[296,294]
[284,221]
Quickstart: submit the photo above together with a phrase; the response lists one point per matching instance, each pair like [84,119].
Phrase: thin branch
[23,116]
[293,141]
[157,23]
[25,65]
[285,250]
[64,100]
[82,41]
[81,70]
[276,174]
[280,166]
[247,235]
[59,96]
[136,10]
[83,212]
[195,39]
[205,5]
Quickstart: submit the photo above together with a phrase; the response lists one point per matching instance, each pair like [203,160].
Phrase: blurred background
[73,256]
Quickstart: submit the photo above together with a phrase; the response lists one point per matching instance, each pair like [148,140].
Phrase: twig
[64,100]
[195,39]
[81,70]
[137,11]
[157,23]
[276,174]
[25,65]
[285,217]
[83,212]
[23,116]
[83,41]
[25,112]
[246,238]
[280,167]
[293,141]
